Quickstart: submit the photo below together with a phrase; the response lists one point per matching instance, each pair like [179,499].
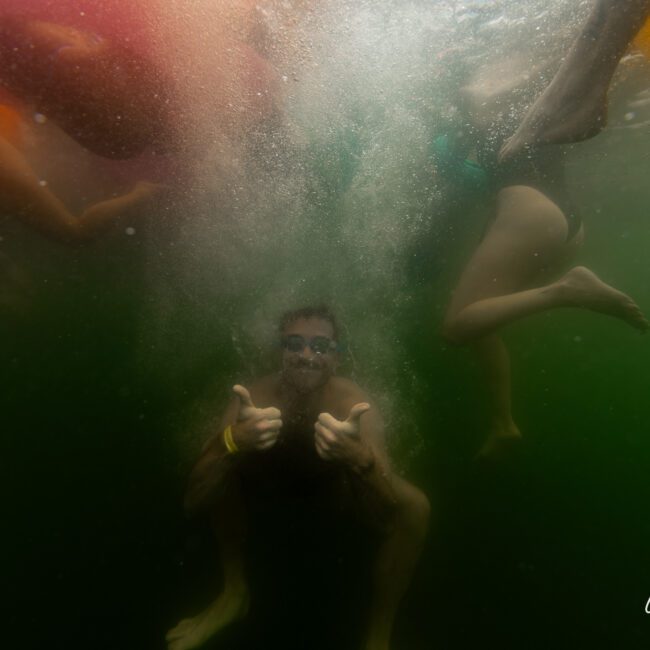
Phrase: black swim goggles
[317,344]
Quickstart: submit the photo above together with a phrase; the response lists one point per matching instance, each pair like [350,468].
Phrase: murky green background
[117,356]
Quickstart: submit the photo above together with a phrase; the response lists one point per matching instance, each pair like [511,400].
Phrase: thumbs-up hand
[340,440]
[255,429]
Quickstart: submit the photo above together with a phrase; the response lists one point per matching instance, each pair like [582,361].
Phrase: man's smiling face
[309,355]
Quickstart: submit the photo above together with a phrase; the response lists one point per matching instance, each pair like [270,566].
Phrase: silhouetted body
[303,433]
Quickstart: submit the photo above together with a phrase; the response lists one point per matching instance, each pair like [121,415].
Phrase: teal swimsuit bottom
[473,181]
[467,176]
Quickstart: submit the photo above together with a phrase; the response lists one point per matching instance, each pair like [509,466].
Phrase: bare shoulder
[347,393]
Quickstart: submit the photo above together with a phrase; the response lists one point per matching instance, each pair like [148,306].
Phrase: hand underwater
[340,440]
[256,429]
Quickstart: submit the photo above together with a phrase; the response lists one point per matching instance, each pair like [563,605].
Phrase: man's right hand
[256,429]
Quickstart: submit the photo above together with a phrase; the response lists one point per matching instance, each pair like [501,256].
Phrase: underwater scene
[325,324]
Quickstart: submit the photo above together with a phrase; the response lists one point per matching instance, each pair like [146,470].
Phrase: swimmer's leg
[526,241]
[100,215]
[574,107]
[396,560]
[232,604]
[22,193]
[494,359]
[580,287]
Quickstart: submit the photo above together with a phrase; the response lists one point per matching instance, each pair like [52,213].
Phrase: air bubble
[39,118]
[130,231]
[630,116]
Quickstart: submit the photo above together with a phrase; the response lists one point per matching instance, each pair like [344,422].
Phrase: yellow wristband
[228,440]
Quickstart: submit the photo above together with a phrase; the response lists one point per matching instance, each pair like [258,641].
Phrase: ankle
[504,426]
[559,292]
[235,588]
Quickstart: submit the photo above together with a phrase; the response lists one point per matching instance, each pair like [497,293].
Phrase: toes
[176,645]
[180,630]
[498,448]
[636,317]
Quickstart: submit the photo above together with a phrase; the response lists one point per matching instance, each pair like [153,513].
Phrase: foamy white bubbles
[325,200]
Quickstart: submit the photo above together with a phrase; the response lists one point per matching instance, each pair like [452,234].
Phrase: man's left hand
[340,440]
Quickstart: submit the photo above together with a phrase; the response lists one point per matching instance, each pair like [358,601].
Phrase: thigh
[526,240]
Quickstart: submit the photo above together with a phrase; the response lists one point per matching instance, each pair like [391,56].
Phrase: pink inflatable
[98,70]
[126,22]
[90,70]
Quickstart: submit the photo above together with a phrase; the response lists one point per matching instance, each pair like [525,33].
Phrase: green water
[124,350]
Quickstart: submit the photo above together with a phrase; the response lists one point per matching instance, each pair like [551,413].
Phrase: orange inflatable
[120,21]
[11,126]
[642,40]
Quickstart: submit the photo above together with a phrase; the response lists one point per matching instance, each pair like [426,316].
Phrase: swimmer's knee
[414,508]
[420,507]
[453,332]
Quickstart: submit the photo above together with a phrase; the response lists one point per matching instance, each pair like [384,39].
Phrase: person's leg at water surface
[402,539]
[23,193]
[229,523]
[102,214]
[502,283]
[574,105]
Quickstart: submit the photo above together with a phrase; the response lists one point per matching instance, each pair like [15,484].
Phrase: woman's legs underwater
[526,242]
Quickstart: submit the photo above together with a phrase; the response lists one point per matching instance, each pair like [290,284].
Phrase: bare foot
[111,209]
[574,105]
[377,645]
[500,443]
[580,287]
[145,189]
[559,116]
[379,634]
[194,632]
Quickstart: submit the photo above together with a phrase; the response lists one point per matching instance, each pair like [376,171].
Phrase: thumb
[243,395]
[356,412]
